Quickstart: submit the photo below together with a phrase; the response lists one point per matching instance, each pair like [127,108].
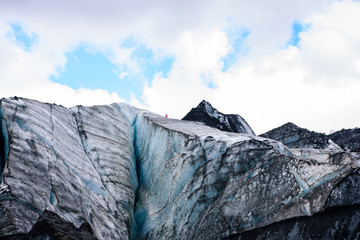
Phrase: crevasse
[4,142]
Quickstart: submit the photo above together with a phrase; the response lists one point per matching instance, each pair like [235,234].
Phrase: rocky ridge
[297,137]
[210,116]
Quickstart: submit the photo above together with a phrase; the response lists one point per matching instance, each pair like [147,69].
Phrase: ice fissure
[132,174]
[4,142]
[136,221]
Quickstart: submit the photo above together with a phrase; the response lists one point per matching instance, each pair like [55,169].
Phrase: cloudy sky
[272,62]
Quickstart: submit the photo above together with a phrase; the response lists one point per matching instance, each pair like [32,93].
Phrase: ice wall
[77,163]
[200,183]
[107,137]
[129,173]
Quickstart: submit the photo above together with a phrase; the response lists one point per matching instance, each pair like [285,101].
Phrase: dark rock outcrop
[297,137]
[348,139]
[335,223]
[51,226]
[208,115]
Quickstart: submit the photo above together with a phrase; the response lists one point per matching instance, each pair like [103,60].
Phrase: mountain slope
[296,137]
[348,139]
[207,114]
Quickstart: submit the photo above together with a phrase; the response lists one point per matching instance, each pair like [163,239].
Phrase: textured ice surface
[201,183]
[130,173]
[77,163]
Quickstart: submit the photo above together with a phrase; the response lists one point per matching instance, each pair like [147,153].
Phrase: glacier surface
[129,173]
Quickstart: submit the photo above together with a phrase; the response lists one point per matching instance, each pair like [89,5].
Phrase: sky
[271,62]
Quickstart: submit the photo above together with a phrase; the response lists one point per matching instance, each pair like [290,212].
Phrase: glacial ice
[130,173]
[4,143]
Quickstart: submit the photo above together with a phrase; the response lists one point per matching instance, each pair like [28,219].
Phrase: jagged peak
[209,115]
[204,103]
[207,107]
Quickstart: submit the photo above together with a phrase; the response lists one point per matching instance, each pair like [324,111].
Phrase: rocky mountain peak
[210,116]
[207,107]
[204,103]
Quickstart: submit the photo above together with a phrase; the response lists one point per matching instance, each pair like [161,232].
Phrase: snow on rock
[208,115]
[128,173]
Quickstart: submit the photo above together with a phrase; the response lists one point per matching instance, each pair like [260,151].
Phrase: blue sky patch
[22,38]
[238,47]
[297,28]
[85,69]
[208,80]
[149,64]
[94,70]
[211,85]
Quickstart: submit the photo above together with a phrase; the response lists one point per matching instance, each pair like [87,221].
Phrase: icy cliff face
[78,163]
[207,114]
[128,173]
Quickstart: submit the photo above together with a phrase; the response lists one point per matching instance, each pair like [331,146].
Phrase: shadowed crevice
[4,143]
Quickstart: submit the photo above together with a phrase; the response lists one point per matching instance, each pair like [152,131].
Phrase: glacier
[128,173]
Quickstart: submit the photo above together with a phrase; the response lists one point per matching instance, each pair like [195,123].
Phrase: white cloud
[332,44]
[66,96]
[313,85]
